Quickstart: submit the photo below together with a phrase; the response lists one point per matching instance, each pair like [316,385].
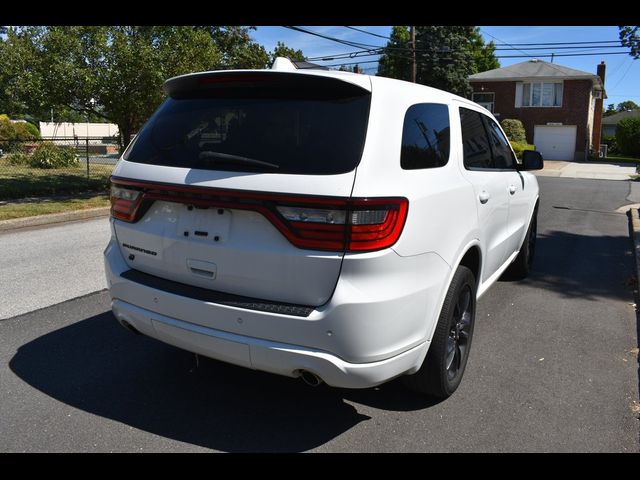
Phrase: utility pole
[414,68]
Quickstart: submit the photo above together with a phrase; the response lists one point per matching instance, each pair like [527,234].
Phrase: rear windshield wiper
[218,157]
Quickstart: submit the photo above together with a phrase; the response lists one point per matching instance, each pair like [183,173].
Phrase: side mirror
[531,160]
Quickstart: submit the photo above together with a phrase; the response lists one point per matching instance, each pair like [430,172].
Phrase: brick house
[560,107]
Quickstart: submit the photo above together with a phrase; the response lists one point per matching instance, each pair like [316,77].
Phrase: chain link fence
[56,166]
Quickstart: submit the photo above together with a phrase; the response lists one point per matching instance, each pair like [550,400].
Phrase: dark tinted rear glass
[309,127]
[425,136]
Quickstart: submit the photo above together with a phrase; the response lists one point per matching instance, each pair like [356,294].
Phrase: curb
[634,231]
[53,218]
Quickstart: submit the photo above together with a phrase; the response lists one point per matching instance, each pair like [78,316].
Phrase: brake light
[362,225]
[124,202]
[316,223]
[376,223]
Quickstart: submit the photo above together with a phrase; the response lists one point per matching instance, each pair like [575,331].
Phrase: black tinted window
[317,128]
[477,153]
[425,136]
[502,154]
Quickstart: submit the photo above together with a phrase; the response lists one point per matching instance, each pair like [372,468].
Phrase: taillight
[361,225]
[376,223]
[124,202]
[309,222]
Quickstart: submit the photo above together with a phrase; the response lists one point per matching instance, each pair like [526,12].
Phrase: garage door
[555,143]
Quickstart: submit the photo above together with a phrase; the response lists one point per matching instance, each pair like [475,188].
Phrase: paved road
[551,369]
[45,266]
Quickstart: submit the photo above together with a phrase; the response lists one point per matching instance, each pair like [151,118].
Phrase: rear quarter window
[425,137]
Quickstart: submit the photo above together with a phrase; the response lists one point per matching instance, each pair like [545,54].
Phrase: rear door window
[294,124]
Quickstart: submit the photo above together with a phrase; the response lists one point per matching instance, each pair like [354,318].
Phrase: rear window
[298,126]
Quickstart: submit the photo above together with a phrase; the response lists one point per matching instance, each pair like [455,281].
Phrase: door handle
[512,189]
[484,196]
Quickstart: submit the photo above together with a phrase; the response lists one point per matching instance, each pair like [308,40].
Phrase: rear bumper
[265,355]
[376,326]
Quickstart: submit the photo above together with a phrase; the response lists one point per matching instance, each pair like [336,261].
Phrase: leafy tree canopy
[627,106]
[114,73]
[629,37]
[282,50]
[445,56]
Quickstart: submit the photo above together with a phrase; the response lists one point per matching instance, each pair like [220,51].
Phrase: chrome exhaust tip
[310,378]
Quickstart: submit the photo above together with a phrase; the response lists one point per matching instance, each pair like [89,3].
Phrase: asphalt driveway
[552,368]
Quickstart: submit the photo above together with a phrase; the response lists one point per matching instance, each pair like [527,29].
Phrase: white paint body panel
[374,313]
[555,142]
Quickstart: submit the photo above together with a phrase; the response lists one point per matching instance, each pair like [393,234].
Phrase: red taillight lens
[124,202]
[314,223]
[376,223]
[357,225]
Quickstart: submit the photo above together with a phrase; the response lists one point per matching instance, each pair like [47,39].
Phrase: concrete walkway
[600,171]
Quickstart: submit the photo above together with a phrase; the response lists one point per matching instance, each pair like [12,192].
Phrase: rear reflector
[314,223]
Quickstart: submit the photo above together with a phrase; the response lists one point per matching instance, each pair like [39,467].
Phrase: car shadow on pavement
[97,366]
[582,266]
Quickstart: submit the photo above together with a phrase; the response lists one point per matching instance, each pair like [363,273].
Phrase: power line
[624,75]
[368,33]
[556,43]
[333,39]
[338,56]
[566,47]
[562,55]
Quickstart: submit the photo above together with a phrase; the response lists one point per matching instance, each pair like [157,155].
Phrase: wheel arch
[469,256]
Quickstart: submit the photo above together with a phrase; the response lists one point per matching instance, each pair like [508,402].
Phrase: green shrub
[611,142]
[49,155]
[514,129]
[628,136]
[18,158]
[519,147]
[16,131]
[32,129]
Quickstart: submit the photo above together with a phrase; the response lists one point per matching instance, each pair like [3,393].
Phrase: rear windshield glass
[255,128]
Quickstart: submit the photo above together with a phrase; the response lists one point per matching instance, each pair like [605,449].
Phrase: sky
[622,81]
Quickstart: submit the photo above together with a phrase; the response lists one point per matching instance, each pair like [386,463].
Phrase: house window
[484,99]
[539,94]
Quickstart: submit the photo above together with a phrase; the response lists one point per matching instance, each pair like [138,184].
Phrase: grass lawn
[43,207]
[18,181]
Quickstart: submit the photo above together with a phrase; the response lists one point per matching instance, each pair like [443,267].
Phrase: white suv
[318,224]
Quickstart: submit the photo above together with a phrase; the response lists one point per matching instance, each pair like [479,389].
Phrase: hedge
[519,147]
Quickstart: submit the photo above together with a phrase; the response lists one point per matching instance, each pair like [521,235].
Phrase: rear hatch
[241,183]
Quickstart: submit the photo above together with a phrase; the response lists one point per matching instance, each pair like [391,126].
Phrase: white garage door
[555,143]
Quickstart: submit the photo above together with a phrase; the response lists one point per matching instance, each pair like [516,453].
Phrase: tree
[115,73]
[395,61]
[628,136]
[627,106]
[629,37]
[282,50]
[611,110]
[446,56]
[484,55]
[237,49]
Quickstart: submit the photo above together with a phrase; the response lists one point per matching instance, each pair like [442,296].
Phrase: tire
[443,367]
[521,266]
